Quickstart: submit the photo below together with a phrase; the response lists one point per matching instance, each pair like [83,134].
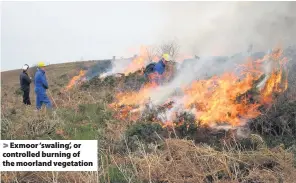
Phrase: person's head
[165,58]
[41,65]
[25,68]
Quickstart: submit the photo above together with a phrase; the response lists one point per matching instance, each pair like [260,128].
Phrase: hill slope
[134,149]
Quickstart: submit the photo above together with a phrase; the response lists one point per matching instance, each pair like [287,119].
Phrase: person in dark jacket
[25,82]
[41,86]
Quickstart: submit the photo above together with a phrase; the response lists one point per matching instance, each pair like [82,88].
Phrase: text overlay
[48,155]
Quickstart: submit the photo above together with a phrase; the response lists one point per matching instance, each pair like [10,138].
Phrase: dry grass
[175,160]
[49,177]
[183,161]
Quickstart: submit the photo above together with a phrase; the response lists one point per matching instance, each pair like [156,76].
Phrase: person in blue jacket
[41,86]
[160,65]
[156,73]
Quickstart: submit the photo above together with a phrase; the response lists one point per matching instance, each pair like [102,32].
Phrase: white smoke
[118,66]
[196,69]
[225,28]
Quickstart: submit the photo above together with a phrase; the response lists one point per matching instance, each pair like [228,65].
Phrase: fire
[221,99]
[224,99]
[127,102]
[136,64]
[124,113]
[76,79]
[276,83]
[216,100]
[136,98]
[140,61]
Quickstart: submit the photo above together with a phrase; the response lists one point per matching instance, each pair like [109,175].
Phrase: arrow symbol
[5,145]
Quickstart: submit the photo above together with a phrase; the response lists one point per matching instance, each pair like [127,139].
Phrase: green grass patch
[85,123]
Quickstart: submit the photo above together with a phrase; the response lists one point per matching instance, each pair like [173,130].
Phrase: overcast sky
[57,32]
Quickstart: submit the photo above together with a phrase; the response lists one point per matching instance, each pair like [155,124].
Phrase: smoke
[231,31]
[99,68]
[117,66]
[225,28]
[203,68]
[198,69]
[222,29]
[223,35]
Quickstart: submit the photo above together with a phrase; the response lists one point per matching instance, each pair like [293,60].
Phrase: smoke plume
[225,28]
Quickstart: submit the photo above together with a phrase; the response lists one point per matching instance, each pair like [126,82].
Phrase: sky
[57,32]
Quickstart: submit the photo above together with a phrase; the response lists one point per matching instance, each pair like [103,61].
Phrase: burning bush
[229,98]
[87,74]
[220,99]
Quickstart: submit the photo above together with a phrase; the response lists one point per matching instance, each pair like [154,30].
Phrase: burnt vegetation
[142,150]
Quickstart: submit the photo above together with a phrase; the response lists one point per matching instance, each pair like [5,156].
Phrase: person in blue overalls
[41,86]
[155,74]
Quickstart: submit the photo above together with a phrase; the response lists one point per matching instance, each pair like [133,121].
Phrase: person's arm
[21,80]
[27,78]
[44,81]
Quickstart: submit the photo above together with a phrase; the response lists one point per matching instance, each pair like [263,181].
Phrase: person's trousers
[41,98]
[26,97]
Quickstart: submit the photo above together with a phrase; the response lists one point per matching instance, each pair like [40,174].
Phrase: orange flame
[135,98]
[272,85]
[140,61]
[128,101]
[215,100]
[76,79]
[225,98]
[124,113]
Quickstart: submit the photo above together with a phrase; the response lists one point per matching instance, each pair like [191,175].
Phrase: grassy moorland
[142,150]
